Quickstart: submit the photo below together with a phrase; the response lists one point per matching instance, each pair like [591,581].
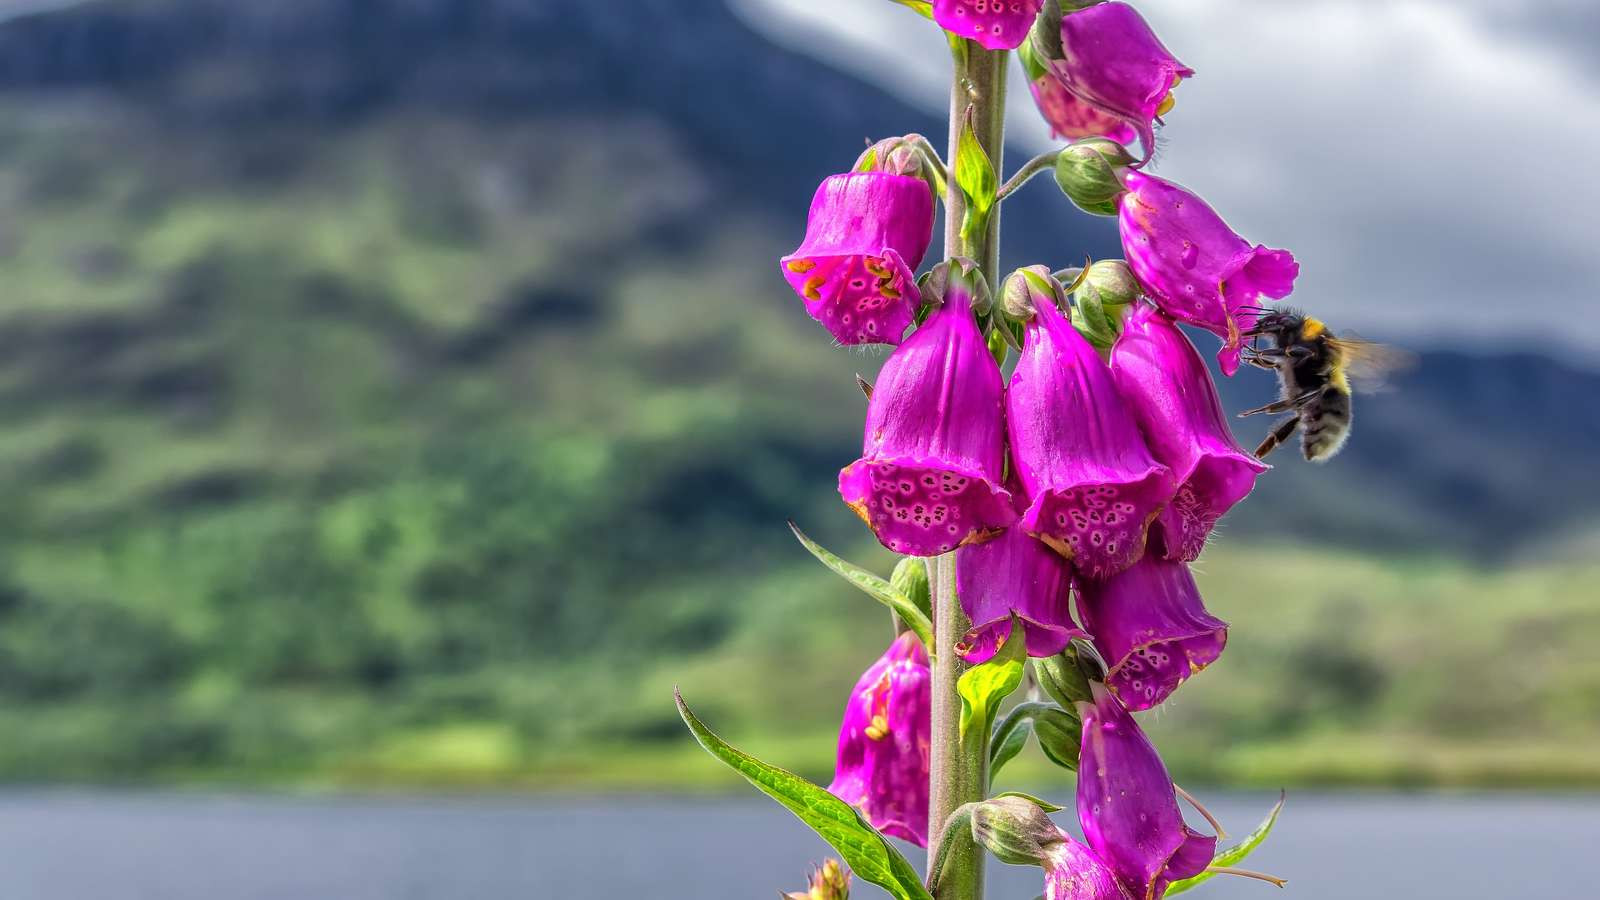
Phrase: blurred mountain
[374,365]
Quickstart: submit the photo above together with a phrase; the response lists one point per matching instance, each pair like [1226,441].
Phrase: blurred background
[401,395]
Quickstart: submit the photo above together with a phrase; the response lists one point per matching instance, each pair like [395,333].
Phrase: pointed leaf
[1236,853]
[1011,735]
[922,8]
[976,176]
[865,850]
[983,687]
[873,586]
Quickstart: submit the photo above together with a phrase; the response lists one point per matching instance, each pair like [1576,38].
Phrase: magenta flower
[1194,266]
[933,454]
[1152,627]
[1164,382]
[996,24]
[1014,573]
[1091,484]
[856,270]
[1113,61]
[882,765]
[1070,118]
[1074,872]
[1128,806]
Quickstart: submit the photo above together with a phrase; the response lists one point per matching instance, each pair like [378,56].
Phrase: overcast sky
[1434,164]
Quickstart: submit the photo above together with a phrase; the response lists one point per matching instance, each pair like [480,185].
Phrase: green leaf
[1236,853]
[865,850]
[921,7]
[1060,735]
[976,176]
[873,586]
[1011,735]
[1006,743]
[983,687]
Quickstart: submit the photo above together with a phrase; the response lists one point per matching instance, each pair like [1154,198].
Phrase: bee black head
[1275,322]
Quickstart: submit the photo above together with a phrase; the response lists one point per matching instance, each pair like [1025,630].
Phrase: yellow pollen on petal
[813,287]
[889,292]
[802,266]
[879,729]
[1166,104]
[877,267]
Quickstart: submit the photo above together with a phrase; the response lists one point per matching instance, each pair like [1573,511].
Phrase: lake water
[132,846]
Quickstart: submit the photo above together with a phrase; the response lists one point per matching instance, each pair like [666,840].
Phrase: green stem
[1029,169]
[961,771]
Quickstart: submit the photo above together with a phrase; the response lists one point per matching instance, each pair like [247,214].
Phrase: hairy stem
[1029,169]
[961,772]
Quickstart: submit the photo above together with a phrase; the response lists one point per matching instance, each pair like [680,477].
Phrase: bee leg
[1284,405]
[1278,436]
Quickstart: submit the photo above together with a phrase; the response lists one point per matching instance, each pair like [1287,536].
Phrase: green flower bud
[1060,735]
[1026,288]
[910,577]
[1101,299]
[1063,678]
[1088,172]
[957,273]
[1015,830]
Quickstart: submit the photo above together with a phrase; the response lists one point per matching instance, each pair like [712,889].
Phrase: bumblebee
[1315,369]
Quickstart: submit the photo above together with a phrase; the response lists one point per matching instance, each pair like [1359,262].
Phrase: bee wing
[1370,364]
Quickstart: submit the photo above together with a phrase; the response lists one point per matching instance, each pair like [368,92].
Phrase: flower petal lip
[1127,805]
[933,449]
[856,269]
[1114,62]
[994,24]
[1166,385]
[1091,484]
[1014,573]
[882,763]
[1193,266]
[1152,627]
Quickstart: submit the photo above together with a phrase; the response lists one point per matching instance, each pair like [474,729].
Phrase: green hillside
[435,447]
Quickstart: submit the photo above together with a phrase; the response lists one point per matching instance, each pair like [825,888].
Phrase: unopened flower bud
[894,156]
[1015,830]
[1089,172]
[961,274]
[829,881]
[1025,289]
[1101,299]
[1065,677]
[910,577]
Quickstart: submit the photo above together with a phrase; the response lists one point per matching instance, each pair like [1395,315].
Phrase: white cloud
[1431,165]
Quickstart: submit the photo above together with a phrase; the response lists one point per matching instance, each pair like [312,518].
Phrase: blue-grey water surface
[69,845]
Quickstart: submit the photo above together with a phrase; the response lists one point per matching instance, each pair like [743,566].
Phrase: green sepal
[922,8]
[1011,735]
[910,577]
[999,347]
[1060,735]
[873,586]
[865,850]
[1236,853]
[983,687]
[976,176]
[1045,805]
